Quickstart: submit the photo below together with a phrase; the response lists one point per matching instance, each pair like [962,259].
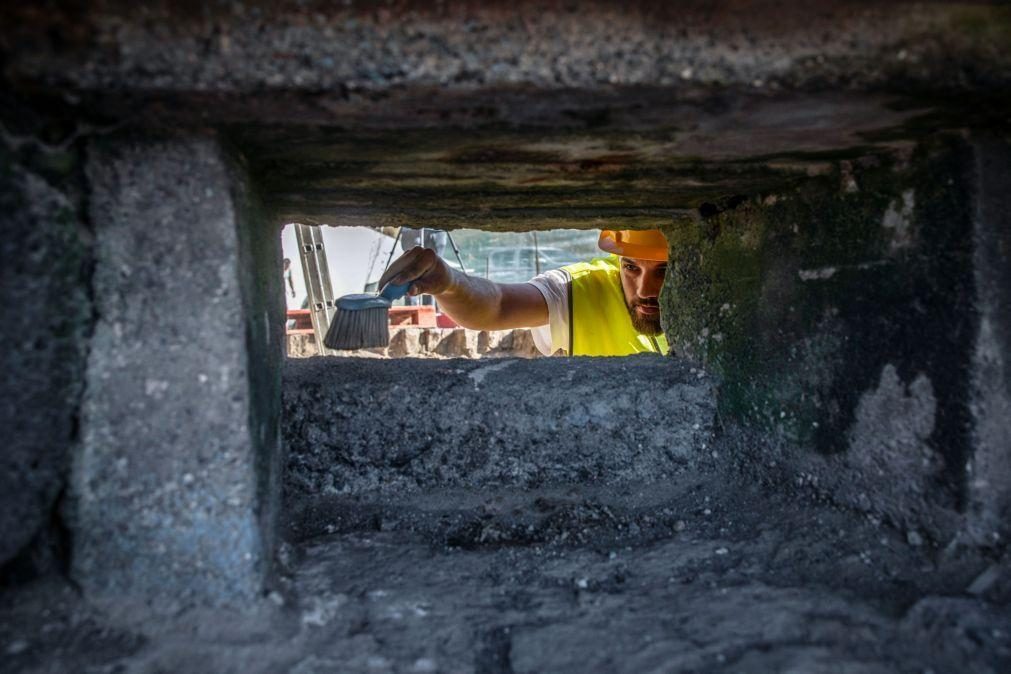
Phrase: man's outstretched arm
[472,302]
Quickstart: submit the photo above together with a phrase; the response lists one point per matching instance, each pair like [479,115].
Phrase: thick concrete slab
[355,57]
[356,426]
[520,115]
[173,490]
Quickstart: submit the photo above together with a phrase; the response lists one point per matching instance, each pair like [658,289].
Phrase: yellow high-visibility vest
[599,324]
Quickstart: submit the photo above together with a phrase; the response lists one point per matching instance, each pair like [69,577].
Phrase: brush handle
[393,292]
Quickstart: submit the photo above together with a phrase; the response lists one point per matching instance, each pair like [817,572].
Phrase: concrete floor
[703,572]
[515,548]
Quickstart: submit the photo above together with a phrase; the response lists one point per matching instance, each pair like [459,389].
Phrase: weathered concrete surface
[990,473]
[45,314]
[575,115]
[173,488]
[357,57]
[354,426]
[708,572]
[659,153]
[841,317]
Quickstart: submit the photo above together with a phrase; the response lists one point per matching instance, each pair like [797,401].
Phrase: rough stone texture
[830,263]
[172,487]
[625,171]
[354,53]
[45,314]
[575,114]
[841,318]
[990,475]
[355,426]
[707,572]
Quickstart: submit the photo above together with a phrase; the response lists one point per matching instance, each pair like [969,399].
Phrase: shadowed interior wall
[842,317]
[45,320]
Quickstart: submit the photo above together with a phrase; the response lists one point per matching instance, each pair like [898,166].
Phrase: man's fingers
[403,267]
[422,269]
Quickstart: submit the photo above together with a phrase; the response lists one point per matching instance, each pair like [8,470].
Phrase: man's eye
[631,267]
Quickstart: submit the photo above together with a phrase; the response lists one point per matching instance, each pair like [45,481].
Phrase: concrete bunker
[831,431]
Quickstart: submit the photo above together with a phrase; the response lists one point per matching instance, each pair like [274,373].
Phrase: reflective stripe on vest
[599,324]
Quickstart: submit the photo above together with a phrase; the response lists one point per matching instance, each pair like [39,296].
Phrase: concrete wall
[172,488]
[990,469]
[45,318]
[849,317]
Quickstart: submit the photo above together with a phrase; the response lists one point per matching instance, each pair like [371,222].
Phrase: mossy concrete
[841,317]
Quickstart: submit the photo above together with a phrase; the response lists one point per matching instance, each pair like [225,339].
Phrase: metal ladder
[317,282]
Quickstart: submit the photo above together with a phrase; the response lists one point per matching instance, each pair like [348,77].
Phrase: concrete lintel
[361,50]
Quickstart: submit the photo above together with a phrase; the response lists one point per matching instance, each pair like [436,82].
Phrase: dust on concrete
[705,571]
[717,564]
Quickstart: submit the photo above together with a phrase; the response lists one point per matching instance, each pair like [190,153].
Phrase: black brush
[363,321]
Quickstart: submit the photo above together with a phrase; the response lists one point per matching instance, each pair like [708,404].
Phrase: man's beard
[647,325]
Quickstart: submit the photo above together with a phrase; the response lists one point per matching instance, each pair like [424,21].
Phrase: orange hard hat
[639,244]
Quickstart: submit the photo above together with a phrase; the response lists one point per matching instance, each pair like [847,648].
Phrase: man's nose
[649,287]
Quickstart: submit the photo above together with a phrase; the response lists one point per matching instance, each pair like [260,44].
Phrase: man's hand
[423,269]
[471,301]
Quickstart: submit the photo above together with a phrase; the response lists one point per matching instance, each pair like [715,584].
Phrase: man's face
[641,280]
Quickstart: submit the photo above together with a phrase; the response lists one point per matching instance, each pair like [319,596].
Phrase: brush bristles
[359,329]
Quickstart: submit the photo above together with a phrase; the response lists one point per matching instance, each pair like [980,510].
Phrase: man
[605,307]
[288,280]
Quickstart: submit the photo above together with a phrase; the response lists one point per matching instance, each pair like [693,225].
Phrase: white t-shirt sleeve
[554,286]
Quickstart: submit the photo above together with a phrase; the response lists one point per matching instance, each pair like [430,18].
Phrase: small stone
[18,646]
[276,598]
[722,551]
[984,581]
[424,665]
[680,525]
[582,583]
[914,538]
[707,511]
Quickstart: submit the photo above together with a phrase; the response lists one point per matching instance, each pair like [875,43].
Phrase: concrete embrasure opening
[815,478]
[354,258]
